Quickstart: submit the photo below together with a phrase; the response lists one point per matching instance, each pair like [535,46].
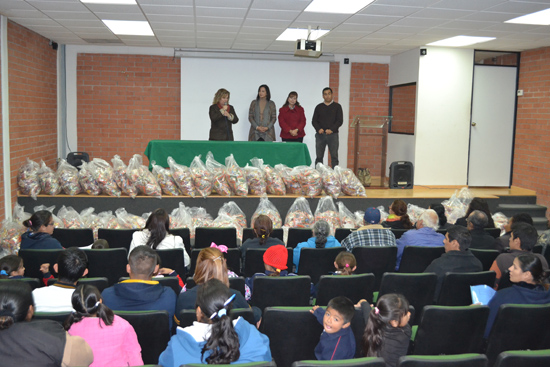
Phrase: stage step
[537,212]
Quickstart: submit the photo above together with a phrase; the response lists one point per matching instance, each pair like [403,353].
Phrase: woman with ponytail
[39,236]
[215,338]
[112,339]
[398,218]
[388,332]
[263,227]
[321,239]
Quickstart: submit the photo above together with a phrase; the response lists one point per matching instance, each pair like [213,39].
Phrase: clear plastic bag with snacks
[91,220]
[350,183]
[266,207]
[235,176]
[104,176]
[291,178]
[220,184]
[108,220]
[330,179]
[383,213]
[27,179]
[347,218]
[67,175]
[273,180]
[48,180]
[19,213]
[414,212]
[255,178]
[299,215]
[129,221]
[10,237]
[232,209]
[501,221]
[457,205]
[202,178]
[180,217]
[87,180]
[326,210]
[165,180]
[182,176]
[70,217]
[122,179]
[310,179]
[142,178]
[226,221]
[199,218]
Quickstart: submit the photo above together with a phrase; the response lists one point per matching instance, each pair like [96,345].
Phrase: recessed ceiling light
[461,41]
[293,34]
[112,2]
[129,27]
[340,7]
[540,18]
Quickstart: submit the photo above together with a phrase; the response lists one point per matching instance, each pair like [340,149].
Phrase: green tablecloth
[183,151]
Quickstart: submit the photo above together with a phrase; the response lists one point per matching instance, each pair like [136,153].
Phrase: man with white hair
[424,235]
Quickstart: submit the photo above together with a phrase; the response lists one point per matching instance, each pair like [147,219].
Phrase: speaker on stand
[401,175]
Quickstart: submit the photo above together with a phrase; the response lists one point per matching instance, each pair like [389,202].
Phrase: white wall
[444,93]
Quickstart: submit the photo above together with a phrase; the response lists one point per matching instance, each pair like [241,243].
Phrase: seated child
[275,259]
[345,263]
[337,340]
[11,267]
[100,244]
[388,332]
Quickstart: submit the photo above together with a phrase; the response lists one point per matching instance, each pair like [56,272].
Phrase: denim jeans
[321,141]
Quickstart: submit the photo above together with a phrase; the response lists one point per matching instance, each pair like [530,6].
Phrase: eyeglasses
[51,224]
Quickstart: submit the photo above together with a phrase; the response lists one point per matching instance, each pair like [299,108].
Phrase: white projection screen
[201,78]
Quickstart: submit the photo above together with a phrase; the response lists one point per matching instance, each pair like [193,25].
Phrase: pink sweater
[113,345]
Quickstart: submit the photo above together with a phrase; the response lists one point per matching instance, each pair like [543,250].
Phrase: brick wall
[404,98]
[532,148]
[33,100]
[369,95]
[124,101]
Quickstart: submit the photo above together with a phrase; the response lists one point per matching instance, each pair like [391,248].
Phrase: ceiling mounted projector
[307,48]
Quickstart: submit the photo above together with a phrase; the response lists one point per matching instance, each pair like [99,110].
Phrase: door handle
[474,124]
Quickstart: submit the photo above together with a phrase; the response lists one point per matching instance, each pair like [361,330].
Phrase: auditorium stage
[422,196]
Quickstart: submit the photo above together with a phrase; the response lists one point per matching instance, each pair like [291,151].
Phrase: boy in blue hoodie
[337,340]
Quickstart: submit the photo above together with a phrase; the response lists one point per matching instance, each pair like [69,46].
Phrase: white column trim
[6,156]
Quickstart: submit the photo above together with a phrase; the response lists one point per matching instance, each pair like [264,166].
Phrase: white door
[492,126]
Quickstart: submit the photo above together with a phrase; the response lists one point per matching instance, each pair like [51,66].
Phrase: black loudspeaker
[401,175]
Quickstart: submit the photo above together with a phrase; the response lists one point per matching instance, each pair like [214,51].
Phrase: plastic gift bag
[122,179]
[383,213]
[331,181]
[19,213]
[274,182]
[199,218]
[226,221]
[48,180]
[414,212]
[359,218]
[290,178]
[299,215]
[501,221]
[347,218]
[326,210]
[310,179]
[182,176]
[456,207]
[350,183]
[10,237]
[180,217]
[70,217]
[68,178]
[27,179]
[91,220]
[235,176]
[219,176]
[104,176]
[142,178]
[87,180]
[266,207]
[107,220]
[57,222]
[129,221]
[255,179]
[165,180]
[202,178]
[232,209]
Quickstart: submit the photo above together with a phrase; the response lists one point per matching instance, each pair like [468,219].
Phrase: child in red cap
[275,262]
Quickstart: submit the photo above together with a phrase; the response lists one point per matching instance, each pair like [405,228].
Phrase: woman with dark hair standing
[40,235]
[156,235]
[321,239]
[35,343]
[263,227]
[222,117]
[214,338]
[530,287]
[262,116]
[477,204]
[112,339]
[292,119]
[398,218]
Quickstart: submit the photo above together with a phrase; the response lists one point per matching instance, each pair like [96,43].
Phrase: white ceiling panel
[476,5]
[403,11]
[220,12]
[155,10]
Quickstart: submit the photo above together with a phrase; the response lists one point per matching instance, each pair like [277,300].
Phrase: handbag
[363,174]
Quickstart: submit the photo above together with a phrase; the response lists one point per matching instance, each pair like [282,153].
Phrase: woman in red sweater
[292,119]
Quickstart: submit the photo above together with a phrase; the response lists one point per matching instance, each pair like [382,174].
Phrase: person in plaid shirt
[371,234]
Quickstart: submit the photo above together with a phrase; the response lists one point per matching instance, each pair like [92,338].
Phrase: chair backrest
[237,284]
[74,237]
[356,362]
[248,233]
[466,322]
[99,282]
[173,259]
[376,260]
[317,261]
[232,257]
[281,291]
[254,261]
[494,232]
[204,236]
[459,360]
[341,233]
[519,327]
[187,317]
[293,333]
[117,238]
[59,317]
[355,287]
[487,257]
[524,358]
[33,282]
[398,232]
[455,290]
[152,331]
[34,258]
[418,288]
[185,235]
[416,259]
[298,235]
[504,281]
[110,263]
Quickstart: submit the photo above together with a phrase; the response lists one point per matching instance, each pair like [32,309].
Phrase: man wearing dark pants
[327,119]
